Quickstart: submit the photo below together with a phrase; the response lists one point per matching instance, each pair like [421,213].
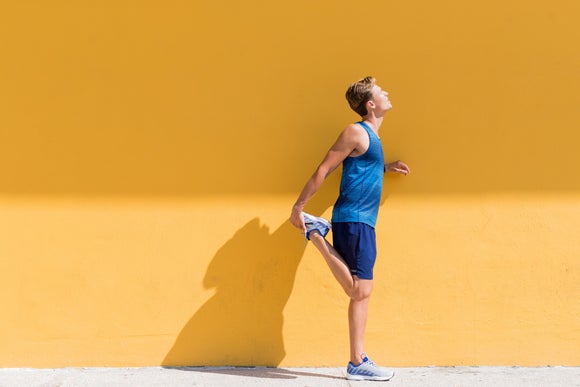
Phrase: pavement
[301,377]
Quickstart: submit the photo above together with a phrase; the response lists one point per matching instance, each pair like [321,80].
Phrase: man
[352,256]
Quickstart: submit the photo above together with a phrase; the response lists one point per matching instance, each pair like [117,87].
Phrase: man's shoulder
[354,129]
[354,137]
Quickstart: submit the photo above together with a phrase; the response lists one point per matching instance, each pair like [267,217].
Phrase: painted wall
[150,153]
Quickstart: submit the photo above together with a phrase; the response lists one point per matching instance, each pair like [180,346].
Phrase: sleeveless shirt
[361,184]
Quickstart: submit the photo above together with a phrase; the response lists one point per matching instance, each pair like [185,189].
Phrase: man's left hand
[397,167]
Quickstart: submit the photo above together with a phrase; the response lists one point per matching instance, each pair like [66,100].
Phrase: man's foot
[314,223]
[368,370]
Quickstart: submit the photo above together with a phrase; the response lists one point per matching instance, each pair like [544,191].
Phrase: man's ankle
[358,360]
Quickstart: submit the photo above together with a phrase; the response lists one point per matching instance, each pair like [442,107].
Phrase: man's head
[362,91]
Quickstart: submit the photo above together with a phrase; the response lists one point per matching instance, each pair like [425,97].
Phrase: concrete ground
[272,377]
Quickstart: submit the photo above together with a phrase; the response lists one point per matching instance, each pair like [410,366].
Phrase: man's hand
[397,167]
[297,219]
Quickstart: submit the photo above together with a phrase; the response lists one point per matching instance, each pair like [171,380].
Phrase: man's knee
[360,294]
[362,289]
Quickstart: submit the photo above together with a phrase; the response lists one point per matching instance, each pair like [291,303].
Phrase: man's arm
[348,141]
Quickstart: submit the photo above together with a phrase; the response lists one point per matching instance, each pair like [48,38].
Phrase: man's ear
[371,104]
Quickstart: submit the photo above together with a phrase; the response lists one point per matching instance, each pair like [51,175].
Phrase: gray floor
[227,376]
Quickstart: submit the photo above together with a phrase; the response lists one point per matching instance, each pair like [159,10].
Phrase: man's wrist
[298,207]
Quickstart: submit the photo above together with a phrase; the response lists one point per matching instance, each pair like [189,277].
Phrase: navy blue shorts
[357,244]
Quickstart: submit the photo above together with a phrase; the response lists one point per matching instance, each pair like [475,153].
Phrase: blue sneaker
[367,370]
[314,223]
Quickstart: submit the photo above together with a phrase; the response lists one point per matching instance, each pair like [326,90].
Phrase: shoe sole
[370,378]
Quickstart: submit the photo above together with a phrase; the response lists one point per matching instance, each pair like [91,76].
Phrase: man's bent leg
[335,262]
[357,317]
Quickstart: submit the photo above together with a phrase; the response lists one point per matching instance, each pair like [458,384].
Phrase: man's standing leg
[359,291]
[357,318]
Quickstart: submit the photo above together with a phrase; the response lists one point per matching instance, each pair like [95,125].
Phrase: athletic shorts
[357,245]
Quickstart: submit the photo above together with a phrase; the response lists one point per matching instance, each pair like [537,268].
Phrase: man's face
[381,98]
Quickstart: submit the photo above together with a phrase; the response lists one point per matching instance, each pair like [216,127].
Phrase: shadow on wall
[241,324]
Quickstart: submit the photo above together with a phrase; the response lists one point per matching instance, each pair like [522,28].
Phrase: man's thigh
[356,244]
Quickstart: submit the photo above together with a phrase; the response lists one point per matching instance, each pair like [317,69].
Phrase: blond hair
[359,93]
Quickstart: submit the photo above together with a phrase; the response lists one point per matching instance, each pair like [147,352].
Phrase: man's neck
[374,122]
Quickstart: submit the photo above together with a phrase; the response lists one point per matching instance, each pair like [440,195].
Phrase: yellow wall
[150,152]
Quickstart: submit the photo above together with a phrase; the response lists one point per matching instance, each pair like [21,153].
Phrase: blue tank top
[361,184]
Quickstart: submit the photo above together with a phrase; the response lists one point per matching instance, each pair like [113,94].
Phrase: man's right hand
[297,219]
